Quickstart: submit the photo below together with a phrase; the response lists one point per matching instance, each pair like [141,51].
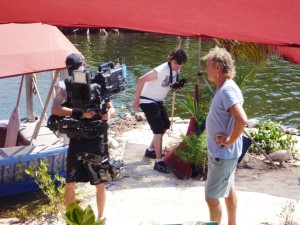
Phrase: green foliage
[75,215]
[193,150]
[196,110]
[288,211]
[55,193]
[270,137]
[251,55]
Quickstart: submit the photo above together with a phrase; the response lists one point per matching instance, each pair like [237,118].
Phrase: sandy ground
[142,194]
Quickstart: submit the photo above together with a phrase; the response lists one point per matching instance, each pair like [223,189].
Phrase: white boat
[27,50]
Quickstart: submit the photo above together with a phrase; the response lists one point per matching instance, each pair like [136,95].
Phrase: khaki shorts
[220,177]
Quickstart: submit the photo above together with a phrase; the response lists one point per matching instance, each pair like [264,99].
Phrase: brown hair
[178,55]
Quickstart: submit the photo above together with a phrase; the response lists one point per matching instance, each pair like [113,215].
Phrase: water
[274,94]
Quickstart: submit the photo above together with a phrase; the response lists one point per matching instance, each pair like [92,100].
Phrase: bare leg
[215,209]
[70,193]
[231,205]
[157,140]
[152,142]
[100,198]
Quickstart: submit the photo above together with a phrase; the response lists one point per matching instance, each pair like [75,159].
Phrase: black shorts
[157,116]
[77,170]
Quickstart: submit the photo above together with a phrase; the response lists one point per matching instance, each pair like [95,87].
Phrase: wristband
[77,113]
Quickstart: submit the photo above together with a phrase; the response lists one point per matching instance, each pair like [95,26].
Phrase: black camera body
[85,95]
[111,77]
[178,84]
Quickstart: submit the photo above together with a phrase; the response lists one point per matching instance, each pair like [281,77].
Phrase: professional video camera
[109,168]
[111,77]
[85,96]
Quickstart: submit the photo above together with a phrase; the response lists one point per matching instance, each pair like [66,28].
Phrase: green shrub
[193,150]
[52,188]
[75,215]
[270,137]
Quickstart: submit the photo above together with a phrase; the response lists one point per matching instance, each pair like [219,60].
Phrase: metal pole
[37,127]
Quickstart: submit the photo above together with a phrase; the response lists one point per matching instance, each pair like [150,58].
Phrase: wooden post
[173,106]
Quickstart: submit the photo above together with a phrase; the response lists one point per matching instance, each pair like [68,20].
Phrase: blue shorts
[220,177]
[157,116]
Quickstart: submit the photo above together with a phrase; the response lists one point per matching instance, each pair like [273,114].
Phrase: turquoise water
[274,94]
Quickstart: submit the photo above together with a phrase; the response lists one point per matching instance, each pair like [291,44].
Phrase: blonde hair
[224,59]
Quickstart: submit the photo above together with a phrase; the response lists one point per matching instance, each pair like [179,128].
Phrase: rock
[252,123]
[9,221]
[140,116]
[292,131]
[113,143]
[281,156]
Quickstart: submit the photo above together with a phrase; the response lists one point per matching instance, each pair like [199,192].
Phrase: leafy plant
[287,212]
[75,215]
[196,110]
[246,54]
[270,137]
[193,150]
[52,188]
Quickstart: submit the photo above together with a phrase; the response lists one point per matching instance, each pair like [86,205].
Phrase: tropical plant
[52,188]
[193,150]
[247,55]
[270,137]
[75,215]
[194,109]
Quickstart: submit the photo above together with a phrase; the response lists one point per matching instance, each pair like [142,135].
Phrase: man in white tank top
[152,89]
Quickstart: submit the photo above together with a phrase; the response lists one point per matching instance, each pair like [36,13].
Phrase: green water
[274,94]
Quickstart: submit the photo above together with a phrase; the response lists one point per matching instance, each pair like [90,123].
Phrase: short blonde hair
[224,59]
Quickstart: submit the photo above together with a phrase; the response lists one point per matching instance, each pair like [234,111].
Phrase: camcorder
[89,93]
[85,95]
[178,84]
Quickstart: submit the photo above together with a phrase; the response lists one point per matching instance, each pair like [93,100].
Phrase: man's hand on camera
[88,114]
[178,86]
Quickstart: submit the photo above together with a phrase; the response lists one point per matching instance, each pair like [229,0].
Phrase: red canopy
[28,48]
[270,22]
[274,22]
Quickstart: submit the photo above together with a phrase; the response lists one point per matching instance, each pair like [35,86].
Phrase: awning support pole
[37,127]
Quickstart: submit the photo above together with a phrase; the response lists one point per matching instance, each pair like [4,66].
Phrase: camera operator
[78,170]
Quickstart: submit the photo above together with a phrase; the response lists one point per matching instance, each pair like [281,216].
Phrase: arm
[240,121]
[59,110]
[111,111]
[152,75]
